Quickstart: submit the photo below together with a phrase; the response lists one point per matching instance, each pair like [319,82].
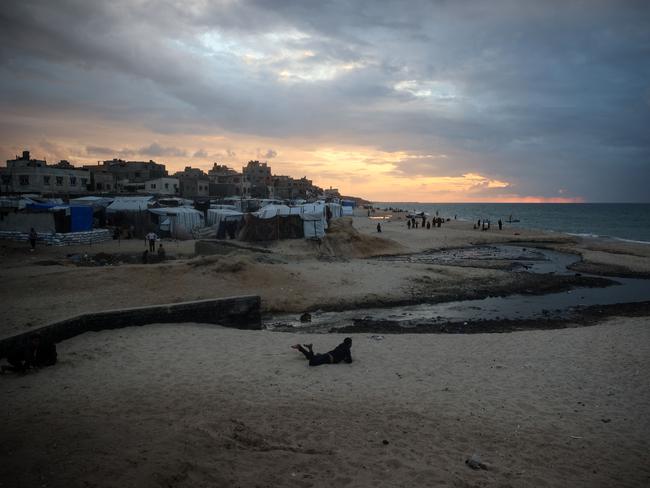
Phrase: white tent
[271,210]
[179,221]
[336,210]
[314,225]
[218,215]
[92,201]
[129,204]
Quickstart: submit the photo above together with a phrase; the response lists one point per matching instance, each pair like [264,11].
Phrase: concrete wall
[23,222]
[238,312]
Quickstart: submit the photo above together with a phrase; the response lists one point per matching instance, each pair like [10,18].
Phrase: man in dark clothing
[336,355]
[37,353]
[32,239]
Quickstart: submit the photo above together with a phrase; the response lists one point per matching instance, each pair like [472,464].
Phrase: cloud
[153,150]
[505,89]
[268,154]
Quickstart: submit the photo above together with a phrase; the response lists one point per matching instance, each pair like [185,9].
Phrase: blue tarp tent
[81,218]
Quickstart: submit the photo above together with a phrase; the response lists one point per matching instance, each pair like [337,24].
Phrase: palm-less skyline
[392,101]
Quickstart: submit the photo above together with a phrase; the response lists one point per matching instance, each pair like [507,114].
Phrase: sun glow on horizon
[362,171]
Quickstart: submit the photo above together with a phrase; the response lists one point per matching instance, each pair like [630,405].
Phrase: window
[99,186]
[84,181]
[137,174]
[59,181]
[46,180]
[166,186]
[153,186]
[24,180]
[73,181]
[6,179]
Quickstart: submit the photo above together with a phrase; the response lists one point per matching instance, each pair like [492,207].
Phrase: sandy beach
[198,405]
[195,405]
[295,276]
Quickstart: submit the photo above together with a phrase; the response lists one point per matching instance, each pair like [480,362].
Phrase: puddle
[560,305]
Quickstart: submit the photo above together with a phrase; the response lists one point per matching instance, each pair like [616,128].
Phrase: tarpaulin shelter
[131,213]
[225,221]
[272,228]
[67,218]
[179,222]
[129,204]
[347,207]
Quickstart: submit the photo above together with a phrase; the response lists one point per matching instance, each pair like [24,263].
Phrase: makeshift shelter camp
[178,222]
[225,222]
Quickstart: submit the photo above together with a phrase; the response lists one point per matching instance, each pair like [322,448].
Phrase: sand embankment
[188,406]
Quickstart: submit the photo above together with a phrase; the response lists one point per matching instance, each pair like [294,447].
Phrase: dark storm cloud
[153,150]
[550,95]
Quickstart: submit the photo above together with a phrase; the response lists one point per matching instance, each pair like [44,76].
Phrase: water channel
[517,307]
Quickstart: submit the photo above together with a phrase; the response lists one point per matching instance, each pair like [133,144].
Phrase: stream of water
[557,305]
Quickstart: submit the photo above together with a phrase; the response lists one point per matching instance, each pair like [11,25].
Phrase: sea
[620,221]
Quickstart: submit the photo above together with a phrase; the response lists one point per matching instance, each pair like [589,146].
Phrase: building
[134,171]
[162,186]
[26,175]
[192,187]
[331,193]
[193,183]
[224,181]
[256,180]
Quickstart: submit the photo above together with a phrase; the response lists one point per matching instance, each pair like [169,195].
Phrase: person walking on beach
[379,227]
[151,239]
[32,239]
[335,356]
[500,224]
[408,224]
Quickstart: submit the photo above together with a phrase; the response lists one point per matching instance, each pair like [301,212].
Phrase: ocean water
[626,221]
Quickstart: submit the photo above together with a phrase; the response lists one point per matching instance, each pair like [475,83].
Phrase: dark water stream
[560,305]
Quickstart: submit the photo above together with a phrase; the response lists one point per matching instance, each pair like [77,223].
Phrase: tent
[225,221]
[91,201]
[335,209]
[314,225]
[129,204]
[178,221]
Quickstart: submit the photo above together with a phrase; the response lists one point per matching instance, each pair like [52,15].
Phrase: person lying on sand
[336,355]
[36,353]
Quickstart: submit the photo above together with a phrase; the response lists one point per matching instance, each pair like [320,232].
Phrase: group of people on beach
[485,224]
[421,221]
[151,239]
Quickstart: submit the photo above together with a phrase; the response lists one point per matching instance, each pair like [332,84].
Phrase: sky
[430,101]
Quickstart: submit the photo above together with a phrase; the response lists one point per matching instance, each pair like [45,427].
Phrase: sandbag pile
[57,239]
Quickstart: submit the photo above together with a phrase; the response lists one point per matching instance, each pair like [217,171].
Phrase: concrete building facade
[26,175]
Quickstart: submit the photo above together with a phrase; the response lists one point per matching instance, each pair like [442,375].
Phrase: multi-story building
[256,180]
[224,181]
[134,171]
[193,183]
[162,186]
[26,175]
